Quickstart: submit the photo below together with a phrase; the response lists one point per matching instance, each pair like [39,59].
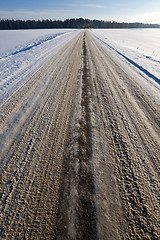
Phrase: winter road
[80,151]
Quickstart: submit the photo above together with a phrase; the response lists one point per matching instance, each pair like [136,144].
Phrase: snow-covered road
[79,144]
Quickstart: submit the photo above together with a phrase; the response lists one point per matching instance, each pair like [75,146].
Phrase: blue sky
[114,10]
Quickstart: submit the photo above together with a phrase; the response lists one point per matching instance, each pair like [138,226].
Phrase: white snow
[140,46]
[22,52]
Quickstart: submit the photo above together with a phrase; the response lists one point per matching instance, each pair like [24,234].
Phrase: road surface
[80,151]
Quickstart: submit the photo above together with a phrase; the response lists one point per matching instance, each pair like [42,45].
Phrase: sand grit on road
[80,147]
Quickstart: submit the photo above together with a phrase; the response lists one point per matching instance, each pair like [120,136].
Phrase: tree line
[69,23]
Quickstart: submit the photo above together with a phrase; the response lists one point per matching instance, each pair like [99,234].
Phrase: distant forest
[69,23]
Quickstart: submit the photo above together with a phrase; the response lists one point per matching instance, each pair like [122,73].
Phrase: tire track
[133,169]
[31,205]
[44,93]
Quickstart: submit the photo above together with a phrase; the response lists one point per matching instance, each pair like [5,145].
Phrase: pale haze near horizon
[145,11]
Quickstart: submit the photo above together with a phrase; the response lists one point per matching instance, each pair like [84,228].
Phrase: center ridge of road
[79,144]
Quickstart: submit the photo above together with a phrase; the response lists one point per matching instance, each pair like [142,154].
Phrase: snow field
[140,45]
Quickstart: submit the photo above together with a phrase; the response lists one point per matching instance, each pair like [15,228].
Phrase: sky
[146,11]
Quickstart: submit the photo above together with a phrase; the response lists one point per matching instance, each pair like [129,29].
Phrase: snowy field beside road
[22,52]
[142,46]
